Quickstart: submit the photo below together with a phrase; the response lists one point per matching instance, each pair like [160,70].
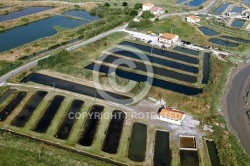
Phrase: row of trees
[112,17]
[105,27]
[137,6]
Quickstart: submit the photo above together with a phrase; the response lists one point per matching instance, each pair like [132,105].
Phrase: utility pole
[54,85]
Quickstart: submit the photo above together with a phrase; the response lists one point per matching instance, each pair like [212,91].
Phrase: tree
[201,7]
[127,10]
[147,14]
[166,11]
[115,4]
[157,19]
[124,4]
[133,13]
[107,4]
[138,6]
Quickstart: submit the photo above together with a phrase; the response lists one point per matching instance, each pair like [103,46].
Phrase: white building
[147,6]
[193,19]
[171,116]
[168,38]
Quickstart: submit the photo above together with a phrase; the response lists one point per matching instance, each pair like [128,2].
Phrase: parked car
[150,41]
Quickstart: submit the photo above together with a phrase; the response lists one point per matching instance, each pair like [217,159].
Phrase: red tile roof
[194,18]
[148,4]
[154,9]
[172,114]
[168,36]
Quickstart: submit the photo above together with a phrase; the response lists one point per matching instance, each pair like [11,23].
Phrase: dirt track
[234,106]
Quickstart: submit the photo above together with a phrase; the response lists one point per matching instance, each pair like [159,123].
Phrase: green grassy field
[20,151]
[177,26]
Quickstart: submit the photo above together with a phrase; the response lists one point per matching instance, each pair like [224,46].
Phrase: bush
[124,4]
[133,13]
[157,19]
[138,6]
[201,7]
[25,20]
[127,10]
[107,4]
[147,14]
[166,11]
[53,60]
[115,4]
[2,28]
[142,23]
[5,12]
[112,23]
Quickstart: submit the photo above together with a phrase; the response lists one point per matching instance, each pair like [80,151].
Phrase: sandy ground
[234,106]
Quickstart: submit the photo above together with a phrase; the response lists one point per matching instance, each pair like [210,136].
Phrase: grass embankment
[11,9]
[3,89]
[248,97]
[6,66]
[16,150]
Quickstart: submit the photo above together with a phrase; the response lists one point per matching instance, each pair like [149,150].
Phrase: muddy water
[189,158]
[186,50]
[47,117]
[69,120]
[168,63]
[138,141]
[162,153]
[7,110]
[213,153]
[205,68]
[74,87]
[157,51]
[28,110]
[222,42]
[91,125]
[113,135]
[156,82]
[6,95]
